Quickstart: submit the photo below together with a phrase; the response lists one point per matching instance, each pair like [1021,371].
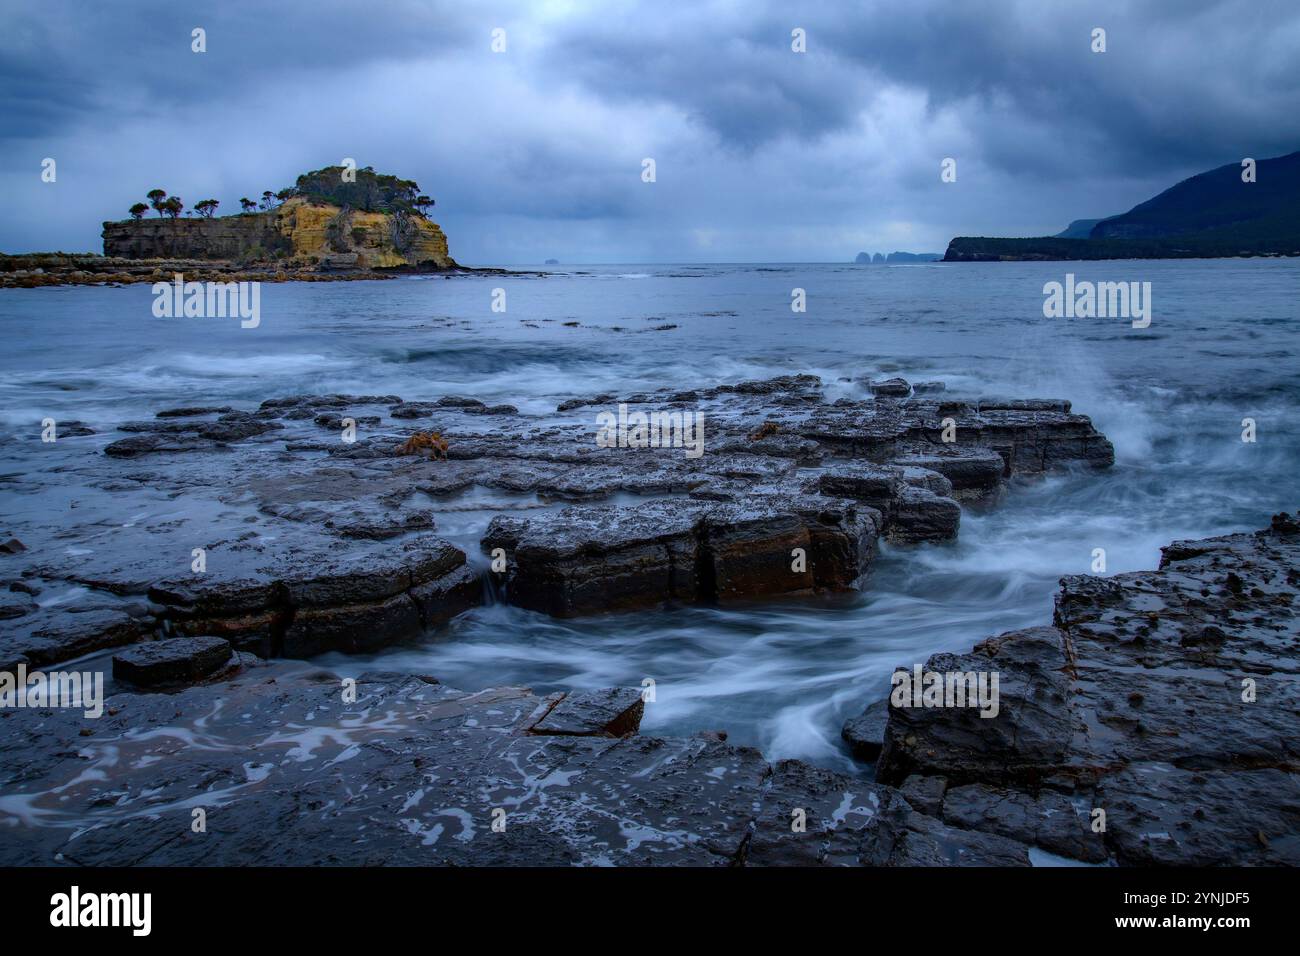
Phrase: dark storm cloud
[762,153]
[1180,80]
[61,59]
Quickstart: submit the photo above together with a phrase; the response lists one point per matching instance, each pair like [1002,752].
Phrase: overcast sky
[762,154]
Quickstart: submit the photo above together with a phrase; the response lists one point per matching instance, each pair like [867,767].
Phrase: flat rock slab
[291,772]
[171,661]
[612,712]
[318,539]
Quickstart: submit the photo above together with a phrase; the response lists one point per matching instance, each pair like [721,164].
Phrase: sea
[1202,405]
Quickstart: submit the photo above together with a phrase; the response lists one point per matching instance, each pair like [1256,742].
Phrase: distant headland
[1251,208]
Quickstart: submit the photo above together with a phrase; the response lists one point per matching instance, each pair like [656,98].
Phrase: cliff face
[326,235]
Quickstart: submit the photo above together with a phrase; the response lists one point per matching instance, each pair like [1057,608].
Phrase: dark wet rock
[612,712]
[334,421]
[798,511]
[284,751]
[570,404]
[72,429]
[1058,823]
[193,411]
[921,515]
[1162,815]
[794,384]
[600,559]
[473,406]
[171,661]
[1023,405]
[1154,724]
[1028,735]
[594,559]
[407,410]
[12,605]
[915,839]
[458,401]
[809,816]
[890,388]
[347,598]
[927,388]
[926,795]
[353,628]
[326,401]
[970,471]
[910,510]
[12,546]
[187,435]
[145,444]
[866,482]
[51,635]
[931,481]
[865,734]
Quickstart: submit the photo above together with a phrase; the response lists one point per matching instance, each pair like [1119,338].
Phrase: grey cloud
[763,153]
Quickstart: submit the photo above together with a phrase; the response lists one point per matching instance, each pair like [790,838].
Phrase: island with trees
[333,223]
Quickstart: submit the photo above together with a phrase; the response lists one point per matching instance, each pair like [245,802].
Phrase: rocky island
[333,223]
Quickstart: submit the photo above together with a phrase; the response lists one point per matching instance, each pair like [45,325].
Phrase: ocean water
[1222,346]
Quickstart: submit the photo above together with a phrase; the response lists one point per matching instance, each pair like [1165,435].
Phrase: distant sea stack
[1230,211]
[371,222]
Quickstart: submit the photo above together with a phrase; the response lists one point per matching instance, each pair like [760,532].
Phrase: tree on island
[364,189]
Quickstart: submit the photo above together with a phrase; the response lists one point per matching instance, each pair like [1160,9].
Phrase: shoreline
[503,776]
[41,269]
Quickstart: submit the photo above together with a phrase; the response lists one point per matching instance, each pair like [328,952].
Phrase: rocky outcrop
[1154,724]
[327,237]
[178,660]
[312,542]
[591,560]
